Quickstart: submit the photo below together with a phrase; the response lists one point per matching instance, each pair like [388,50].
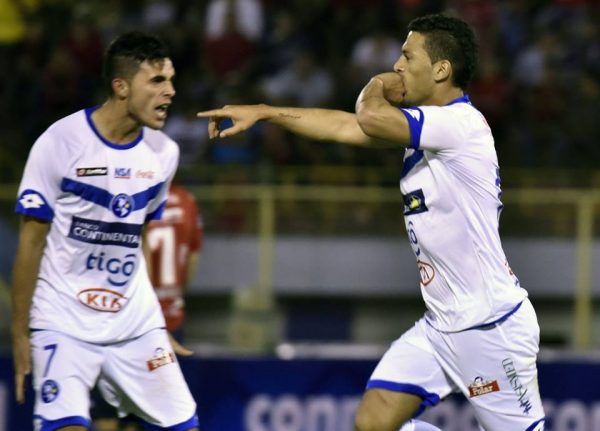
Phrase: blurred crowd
[538,82]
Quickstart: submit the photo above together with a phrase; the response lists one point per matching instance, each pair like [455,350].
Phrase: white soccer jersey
[451,188]
[93,283]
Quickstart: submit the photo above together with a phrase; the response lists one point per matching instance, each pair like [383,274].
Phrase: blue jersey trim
[183,426]
[142,198]
[104,198]
[410,162]
[415,126]
[52,425]
[34,204]
[157,214]
[429,399]
[497,321]
[536,423]
[87,191]
[462,99]
[88,116]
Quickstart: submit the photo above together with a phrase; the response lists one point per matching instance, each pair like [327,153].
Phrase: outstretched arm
[312,123]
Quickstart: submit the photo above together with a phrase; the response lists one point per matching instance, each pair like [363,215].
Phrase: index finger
[211,113]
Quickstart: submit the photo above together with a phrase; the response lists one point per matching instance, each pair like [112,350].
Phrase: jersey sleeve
[42,176]
[433,128]
[157,206]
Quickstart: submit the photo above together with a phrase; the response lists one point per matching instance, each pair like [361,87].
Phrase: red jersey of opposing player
[175,242]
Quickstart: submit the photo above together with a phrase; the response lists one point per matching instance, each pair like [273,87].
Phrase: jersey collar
[463,99]
[88,116]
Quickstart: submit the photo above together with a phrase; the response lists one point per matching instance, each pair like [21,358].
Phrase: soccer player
[83,306]
[480,334]
[175,242]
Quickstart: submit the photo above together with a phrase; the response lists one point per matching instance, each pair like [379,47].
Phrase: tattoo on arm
[284,115]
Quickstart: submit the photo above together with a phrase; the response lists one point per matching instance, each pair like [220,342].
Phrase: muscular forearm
[317,124]
[377,118]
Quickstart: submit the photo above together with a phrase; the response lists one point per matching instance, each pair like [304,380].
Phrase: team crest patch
[50,391]
[161,357]
[92,172]
[122,205]
[414,202]
[482,387]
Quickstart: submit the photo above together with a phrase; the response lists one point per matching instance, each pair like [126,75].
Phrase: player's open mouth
[161,110]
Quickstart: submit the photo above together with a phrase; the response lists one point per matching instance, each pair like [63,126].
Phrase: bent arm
[32,240]
[377,118]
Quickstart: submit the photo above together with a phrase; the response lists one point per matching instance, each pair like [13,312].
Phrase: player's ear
[442,70]
[120,88]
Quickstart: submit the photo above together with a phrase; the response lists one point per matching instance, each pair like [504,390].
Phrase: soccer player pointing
[84,310]
[480,334]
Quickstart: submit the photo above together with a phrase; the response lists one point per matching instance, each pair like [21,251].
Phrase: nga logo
[123,173]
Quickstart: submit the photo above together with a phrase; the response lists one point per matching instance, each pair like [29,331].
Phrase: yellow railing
[582,200]
[266,196]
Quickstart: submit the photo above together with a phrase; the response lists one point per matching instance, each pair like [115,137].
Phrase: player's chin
[155,123]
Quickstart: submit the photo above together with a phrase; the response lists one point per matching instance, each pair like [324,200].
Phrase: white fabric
[452,205]
[68,369]
[93,283]
[495,368]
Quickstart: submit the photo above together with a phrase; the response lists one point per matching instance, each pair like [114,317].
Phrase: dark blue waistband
[497,321]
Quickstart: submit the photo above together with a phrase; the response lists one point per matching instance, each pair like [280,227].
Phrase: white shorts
[494,367]
[139,377]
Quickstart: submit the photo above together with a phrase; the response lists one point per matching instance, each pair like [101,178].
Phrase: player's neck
[444,96]
[114,124]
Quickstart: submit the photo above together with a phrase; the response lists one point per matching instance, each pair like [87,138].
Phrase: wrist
[265,112]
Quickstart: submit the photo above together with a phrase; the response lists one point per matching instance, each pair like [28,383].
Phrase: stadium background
[306,273]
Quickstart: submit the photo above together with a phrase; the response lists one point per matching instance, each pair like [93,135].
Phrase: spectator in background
[175,243]
[184,128]
[228,52]
[373,54]
[246,16]
[158,13]
[282,41]
[491,93]
[84,45]
[530,66]
[13,34]
[303,83]
[582,122]
[13,28]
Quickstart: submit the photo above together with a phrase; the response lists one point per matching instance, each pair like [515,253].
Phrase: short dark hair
[125,54]
[452,39]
